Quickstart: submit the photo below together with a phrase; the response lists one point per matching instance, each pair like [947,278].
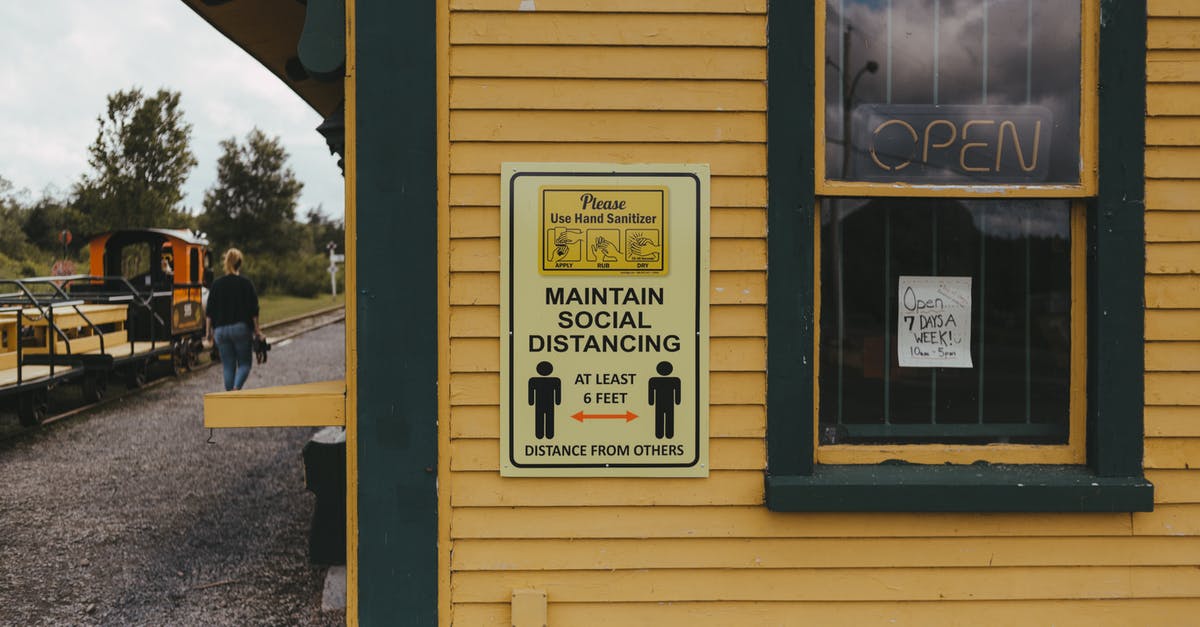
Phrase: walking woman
[233,320]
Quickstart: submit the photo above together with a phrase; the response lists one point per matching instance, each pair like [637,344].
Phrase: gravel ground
[123,515]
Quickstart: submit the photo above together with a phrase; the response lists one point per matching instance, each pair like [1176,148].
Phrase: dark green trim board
[396,116]
[790,198]
[965,488]
[1117,249]
[1112,480]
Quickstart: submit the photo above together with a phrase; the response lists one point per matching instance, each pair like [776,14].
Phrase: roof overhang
[271,32]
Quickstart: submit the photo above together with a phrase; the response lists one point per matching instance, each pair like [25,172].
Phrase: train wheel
[95,384]
[194,348]
[135,376]
[31,408]
[179,359]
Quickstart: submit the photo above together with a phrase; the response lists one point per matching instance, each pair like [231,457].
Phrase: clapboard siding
[783,553]
[608,62]
[611,29]
[1179,486]
[1174,226]
[619,126]
[727,191]
[1172,291]
[757,7]
[834,584]
[615,95]
[1173,422]
[725,159]
[755,521]
[1171,195]
[1173,324]
[617,83]
[1173,258]
[1090,613]
[683,81]
[1172,8]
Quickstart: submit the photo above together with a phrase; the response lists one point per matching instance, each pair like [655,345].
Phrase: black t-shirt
[231,300]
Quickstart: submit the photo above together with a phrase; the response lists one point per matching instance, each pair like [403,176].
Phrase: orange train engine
[170,270]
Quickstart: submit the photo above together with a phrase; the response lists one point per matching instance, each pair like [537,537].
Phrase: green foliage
[11,268]
[325,230]
[140,161]
[12,236]
[20,255]
[298,274]
[253,203]
[46,219]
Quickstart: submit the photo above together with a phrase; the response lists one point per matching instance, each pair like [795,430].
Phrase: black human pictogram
[664,396]
[544,393]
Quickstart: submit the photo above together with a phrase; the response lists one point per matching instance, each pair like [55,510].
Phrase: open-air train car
[142,303]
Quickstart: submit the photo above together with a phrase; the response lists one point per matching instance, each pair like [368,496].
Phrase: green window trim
[1112,480]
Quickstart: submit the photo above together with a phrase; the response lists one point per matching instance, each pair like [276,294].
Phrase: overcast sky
[61,58]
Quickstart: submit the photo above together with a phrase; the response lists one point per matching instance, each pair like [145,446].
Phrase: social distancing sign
[604,309]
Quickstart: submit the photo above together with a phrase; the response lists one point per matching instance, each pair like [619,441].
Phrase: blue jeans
[234,343]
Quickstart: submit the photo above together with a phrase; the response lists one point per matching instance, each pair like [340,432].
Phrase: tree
[325,230]
[12,237]
[253,203]
[140,161]
[46,218]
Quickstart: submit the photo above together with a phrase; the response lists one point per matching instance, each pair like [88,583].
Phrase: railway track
[67,400]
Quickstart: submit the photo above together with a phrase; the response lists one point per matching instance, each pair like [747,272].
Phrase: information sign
[934,325]
[604,309]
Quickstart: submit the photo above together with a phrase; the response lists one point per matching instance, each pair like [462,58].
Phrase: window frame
[1073,451]
[1112,479]
[1089,15]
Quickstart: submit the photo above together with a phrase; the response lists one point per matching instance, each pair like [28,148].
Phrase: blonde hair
[232,261]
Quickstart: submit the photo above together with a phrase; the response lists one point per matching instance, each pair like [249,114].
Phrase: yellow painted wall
[609,80]
[1173,268]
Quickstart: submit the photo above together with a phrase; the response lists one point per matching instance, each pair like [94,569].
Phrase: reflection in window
[135,260]
[1018,255]
[952,91]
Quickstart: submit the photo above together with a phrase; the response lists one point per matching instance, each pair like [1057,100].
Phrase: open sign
[951,143]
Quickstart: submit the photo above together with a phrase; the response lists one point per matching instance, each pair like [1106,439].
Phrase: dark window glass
[1018,255]
[952,91]
[194,265]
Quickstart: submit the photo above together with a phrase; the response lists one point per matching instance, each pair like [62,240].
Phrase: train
[139,306]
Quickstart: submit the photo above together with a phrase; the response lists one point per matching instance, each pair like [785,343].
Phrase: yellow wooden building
[1039,158]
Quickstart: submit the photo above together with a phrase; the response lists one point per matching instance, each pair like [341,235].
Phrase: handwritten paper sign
[934,325]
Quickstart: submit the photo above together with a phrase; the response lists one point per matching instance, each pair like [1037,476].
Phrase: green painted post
[396,115]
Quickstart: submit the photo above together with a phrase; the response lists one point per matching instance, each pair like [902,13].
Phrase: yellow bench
[72,320]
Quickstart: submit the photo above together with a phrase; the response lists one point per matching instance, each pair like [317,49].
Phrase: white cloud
[63,57]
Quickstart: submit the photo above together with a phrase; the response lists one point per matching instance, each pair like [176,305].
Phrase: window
[902,108]
[194,265]
[1019,257]
[135,260]
[953,147]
